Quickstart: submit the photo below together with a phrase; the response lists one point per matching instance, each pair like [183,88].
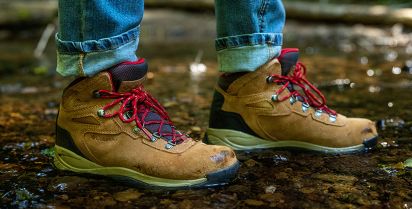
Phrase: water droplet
[270,189]
[396,70]
[391,56]
[41,174]
[408,49]
[390,104]
[408,63]
[374,89]
[197,68]
[370,72]
[364,60]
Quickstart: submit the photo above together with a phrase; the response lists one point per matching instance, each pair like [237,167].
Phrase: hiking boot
[276,107]
[109,125]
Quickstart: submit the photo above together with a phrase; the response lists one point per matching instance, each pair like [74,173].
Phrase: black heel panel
[226,120]
[65,140]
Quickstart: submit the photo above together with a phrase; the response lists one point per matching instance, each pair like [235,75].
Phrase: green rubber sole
[67,160]
[241,141]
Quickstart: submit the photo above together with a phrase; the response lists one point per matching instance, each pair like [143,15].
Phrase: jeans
[97,34]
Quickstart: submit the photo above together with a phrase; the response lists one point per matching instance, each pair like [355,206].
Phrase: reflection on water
[363,71]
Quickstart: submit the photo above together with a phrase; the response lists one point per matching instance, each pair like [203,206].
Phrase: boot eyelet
[269,79]
[292,100]
[155,136]
[305,107]
[100,113]
[274,97]
[136,129]
[96,94]
[127,115]
[318,113]
[169,145]
[332,118]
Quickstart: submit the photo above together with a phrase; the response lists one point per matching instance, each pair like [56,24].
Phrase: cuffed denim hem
[247,52]
[90,57]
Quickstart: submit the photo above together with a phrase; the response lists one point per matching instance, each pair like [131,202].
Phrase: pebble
[270,189]
[127,195]
[253,202]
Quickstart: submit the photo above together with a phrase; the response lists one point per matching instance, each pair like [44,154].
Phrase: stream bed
[364,71]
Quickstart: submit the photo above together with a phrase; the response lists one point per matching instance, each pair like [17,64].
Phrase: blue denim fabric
[249,33]
[96,34]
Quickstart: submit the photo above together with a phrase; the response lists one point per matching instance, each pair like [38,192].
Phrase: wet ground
[364,71]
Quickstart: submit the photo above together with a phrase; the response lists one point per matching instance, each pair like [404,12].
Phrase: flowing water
[364,71]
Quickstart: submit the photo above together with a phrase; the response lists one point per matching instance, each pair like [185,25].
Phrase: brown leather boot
[109,125]
[276,107]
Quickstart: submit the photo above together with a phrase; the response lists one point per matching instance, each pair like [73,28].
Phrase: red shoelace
[138,102]
[313,96]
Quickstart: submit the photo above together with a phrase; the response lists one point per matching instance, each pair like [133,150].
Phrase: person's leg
[265,101]
[249,33]
[96,34]
[107,123]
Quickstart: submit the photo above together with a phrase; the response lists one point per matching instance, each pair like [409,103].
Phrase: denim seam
[250,45]
[261,44]
[122,39]
[82,19]
[262,10]
[266,39]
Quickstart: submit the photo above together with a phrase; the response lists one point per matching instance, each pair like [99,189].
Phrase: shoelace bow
[138,101]
[313,96]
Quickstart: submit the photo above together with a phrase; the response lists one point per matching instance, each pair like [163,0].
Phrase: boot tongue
[128,75]
[288,59]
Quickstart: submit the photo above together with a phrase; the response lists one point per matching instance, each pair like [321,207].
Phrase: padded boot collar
[247,84]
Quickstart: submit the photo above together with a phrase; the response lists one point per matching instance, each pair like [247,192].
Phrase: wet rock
[63,197]
[252,202]
[185,204]
[127,195]
[20,198]
[238,188]
[307,190]
[395,122]
[66,184]
[279,159]
[188,194]
[166,202]
[224,198]
[282,175]
[270,189]
[251,163]
[23,194]
[195,129]
[333,178]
